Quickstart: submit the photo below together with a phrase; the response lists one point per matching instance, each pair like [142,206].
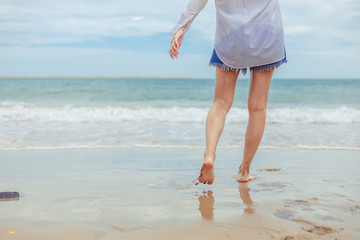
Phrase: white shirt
[249,33]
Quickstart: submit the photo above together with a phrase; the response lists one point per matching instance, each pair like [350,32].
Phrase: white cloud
[323,21]
[138,18]
[38,22]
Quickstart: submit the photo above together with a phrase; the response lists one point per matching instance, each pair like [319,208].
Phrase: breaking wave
[72,113]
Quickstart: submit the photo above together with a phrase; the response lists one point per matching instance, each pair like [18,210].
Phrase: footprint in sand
[314,199]
[319,230]
[269,170]
[315,229]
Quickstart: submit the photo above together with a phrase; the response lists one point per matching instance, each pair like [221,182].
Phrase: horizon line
[99,77]
[144,77]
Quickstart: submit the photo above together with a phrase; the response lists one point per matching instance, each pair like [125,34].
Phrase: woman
[249,34]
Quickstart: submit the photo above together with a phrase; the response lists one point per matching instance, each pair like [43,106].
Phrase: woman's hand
[176,43]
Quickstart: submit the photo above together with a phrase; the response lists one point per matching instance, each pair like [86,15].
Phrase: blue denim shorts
[216,62]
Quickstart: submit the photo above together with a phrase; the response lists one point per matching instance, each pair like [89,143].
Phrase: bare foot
[207,175]
[245,178]
[243,175]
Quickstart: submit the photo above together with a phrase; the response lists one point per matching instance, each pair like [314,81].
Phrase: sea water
[68,113]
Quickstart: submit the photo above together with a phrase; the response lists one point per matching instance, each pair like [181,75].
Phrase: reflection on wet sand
[206,206]
[245,197]
[207,200]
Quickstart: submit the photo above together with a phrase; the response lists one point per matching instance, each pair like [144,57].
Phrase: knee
[224,104]
[256,107]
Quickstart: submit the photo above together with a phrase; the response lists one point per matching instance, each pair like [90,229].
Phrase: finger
[176,43]
[174,50]
[173,45]
[170,49]
[172,55]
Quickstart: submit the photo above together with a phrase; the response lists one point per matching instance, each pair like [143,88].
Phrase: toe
[196,181]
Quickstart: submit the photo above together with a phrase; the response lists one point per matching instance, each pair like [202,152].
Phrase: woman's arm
[177,41]
[188,15]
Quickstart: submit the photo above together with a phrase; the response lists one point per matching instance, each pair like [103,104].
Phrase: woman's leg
[225,84]
[257,101]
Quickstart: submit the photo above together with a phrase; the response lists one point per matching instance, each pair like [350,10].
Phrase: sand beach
[139,193]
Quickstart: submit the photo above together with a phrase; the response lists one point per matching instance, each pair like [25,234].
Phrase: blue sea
[71,113]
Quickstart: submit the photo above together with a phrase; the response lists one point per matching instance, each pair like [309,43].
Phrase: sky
[131,38]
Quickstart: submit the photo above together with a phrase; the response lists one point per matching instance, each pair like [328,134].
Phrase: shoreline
[352,149]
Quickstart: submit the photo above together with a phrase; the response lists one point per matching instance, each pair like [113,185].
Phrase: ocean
[73,113]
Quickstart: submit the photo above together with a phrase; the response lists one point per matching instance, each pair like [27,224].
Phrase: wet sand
[148,194]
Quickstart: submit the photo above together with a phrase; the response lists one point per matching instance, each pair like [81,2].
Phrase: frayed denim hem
[262,68]
[227,68]
[216,62]
[269,67]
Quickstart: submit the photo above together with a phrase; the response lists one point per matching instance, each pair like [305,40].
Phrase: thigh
[259,88]
[225,84]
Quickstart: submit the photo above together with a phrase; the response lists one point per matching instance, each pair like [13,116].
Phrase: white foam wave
[69,113]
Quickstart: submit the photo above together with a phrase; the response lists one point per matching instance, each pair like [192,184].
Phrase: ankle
[244,170]
[209,155]
[243,174]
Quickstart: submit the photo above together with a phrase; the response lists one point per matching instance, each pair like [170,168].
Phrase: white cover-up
[249,33]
